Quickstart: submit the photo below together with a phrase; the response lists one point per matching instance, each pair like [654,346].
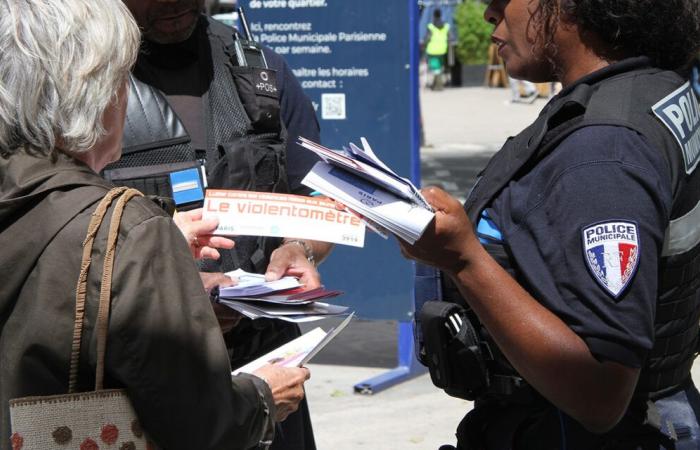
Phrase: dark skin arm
[541,347]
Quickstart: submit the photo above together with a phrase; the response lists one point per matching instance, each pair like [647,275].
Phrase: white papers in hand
[259,287]
[406,219]
[276,310]
[298,352]
[297,313]
[288,355]
[283,299]
[366,165]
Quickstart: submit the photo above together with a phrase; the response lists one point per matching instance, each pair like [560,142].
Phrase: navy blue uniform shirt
[602,182]
[299,117]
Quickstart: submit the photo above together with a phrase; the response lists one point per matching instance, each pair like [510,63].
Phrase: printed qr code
[333,107]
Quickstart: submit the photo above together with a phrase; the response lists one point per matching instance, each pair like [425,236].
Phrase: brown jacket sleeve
[166,346]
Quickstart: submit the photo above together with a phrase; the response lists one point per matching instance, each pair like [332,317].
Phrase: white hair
[61,64]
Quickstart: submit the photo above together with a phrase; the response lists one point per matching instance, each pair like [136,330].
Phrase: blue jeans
[682,410]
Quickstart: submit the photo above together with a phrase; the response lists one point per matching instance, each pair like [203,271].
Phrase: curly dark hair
[667,31]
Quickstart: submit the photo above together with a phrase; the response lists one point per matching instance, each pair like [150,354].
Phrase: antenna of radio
[244,23]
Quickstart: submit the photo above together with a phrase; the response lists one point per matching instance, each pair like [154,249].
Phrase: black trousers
[497,425]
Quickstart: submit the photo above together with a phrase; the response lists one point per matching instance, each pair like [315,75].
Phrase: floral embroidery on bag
[89,444]
[109,434]
[17,441]
[62,435]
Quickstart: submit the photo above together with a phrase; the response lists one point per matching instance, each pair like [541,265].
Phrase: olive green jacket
[164,343]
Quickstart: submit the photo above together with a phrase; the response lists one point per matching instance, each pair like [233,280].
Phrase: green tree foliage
[473,32]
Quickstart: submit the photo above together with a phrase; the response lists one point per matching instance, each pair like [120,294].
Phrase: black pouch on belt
[452,350]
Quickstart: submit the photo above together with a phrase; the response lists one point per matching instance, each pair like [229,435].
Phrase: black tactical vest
[620,95]
[245,139]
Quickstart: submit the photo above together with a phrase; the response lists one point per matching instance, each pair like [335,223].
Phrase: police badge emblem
[611,252]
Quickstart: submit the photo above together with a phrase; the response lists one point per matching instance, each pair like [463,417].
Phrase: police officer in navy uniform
[191,104]
[576,256]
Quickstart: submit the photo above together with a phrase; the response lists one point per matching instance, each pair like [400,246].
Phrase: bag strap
[102,322]
[106,286]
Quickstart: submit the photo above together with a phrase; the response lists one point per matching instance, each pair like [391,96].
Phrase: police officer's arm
[541,347]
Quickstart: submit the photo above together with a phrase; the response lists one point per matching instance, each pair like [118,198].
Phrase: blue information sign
[357,62]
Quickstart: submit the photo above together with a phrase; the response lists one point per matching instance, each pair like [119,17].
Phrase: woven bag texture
[82,421]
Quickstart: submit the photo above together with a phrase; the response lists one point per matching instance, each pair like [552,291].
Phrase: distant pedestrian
[522,91]
[437,44]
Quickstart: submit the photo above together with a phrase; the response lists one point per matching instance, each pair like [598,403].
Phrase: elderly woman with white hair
[63,86]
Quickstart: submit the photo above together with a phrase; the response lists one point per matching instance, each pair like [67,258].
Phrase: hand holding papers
[282,299]
[357,178]
[298,352]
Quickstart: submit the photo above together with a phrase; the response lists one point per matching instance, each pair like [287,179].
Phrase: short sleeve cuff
[612,351]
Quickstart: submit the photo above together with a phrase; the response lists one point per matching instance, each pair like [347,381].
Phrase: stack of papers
[283,299]
[298,352]
[367,186]
[252,284]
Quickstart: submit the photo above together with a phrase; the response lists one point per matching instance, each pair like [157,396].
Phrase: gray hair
[61,64]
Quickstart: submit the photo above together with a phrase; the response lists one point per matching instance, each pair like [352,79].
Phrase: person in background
[522,91]
[186,60]
[63,78]
[436,47]
[576,256]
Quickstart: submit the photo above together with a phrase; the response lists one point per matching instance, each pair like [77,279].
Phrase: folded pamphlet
[289,313]
[365,164]
[357,178]
[263,288]
[283,299]
[298,352]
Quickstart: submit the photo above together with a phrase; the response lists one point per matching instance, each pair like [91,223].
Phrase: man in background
[186,57]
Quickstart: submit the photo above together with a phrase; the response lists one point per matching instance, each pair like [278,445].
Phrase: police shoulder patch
[680,113]
[611,253]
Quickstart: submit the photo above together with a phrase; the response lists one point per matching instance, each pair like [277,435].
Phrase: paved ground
[463,127]
[411,415]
